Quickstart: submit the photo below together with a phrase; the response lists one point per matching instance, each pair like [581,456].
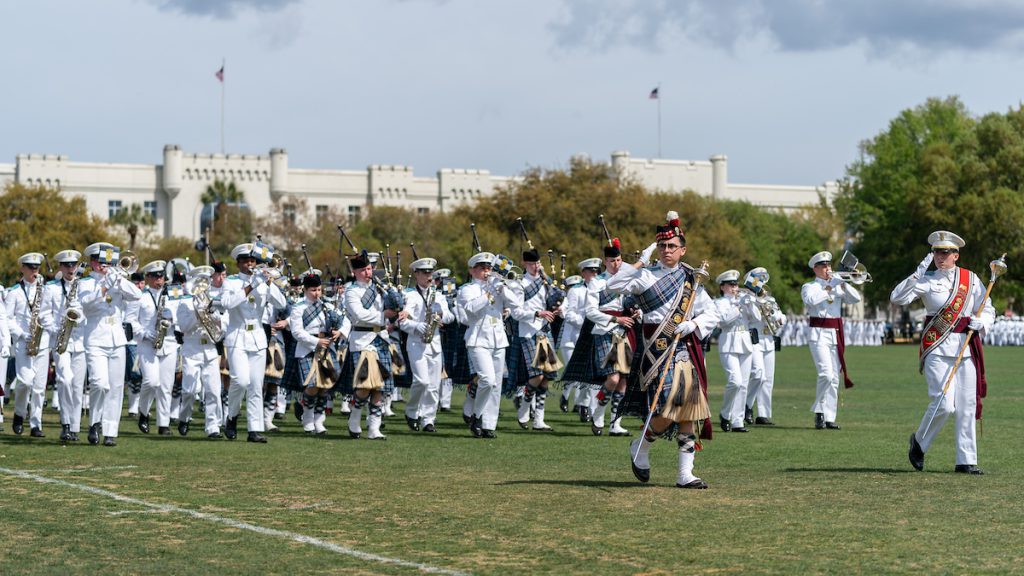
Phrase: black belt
[367,328]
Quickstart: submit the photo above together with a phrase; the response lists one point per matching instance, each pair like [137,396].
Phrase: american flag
[653,96]
[220,75]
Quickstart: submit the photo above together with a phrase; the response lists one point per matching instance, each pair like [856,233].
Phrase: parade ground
[786,499]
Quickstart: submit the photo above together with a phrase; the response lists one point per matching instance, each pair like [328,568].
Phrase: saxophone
[768,307]
[71,317]
[162,324]
[202,302]
[433,318]
[35,339]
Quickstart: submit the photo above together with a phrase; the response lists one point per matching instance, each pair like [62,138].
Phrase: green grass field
[787,499]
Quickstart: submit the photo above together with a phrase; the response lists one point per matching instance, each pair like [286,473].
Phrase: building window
[150,207]
[354,214]
[113,207]
[289,213]
[321,214]
[423,211]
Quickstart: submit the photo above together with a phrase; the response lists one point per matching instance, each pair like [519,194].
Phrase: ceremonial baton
[476,241]
[997,268]
[607,235]
[700,275]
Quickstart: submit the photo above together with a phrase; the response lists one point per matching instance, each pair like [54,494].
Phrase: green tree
[937,167]
[132,218]
[40,219]
[232,221]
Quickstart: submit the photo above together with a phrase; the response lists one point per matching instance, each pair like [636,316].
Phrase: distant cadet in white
[133,331]
[426,310]
[315,327]
[951,296]
[482,302]
[200,361]
[762,369]
[103,294]
[441,281]
[824,297]
[573,312]
[157,348]
[245,296]
[736,313]
[30,323]
[61,298]
[5,352]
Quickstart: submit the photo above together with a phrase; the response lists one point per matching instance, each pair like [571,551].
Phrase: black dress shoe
[163,430]
[73,437]
[475,428]
[968,469]
[214,436]
[65,432]
[18,426]
[94,433]
[584,414]
[563,404]
[413,423]
[183,428]
[429,428]
[524,425]
[748,415]
[640,473]
[819,421]
[442,409]
[915,454]
[740,429]
[595,430]
[109,441]
[832,426]
[37,433]
[298,411]
[762,421]
[517,402]
[256,437]
[725,424]
[489,434]
[467,419]
[144,423]
[695,484]
[231,428]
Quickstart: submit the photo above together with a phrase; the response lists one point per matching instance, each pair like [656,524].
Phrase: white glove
[166,314]
[421,328]
[5,351]
[976,324]
[645,256]
[923,266]
[686,327]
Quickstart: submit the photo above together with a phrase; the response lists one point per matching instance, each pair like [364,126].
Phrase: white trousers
[489,364]
[446,393]
[30,385]
[198,373]
[762,382]
[70,368]
[106,387]
[960,401]
[826,361]
[247,370]
[426,385]
[157,382]
[737,374]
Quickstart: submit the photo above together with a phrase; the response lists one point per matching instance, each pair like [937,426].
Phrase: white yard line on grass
[293,536]
[77,470]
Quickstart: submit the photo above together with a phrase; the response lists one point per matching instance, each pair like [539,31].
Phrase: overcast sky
[785,88]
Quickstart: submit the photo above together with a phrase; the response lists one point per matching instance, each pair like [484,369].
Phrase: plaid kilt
[456,357]
[579,367]
[602,346]
[291,379]
[638,402]
[519,360]
[352,358]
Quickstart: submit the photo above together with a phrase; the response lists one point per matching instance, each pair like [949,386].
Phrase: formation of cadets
[632,336]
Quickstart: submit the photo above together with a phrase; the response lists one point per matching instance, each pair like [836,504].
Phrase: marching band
[631,338]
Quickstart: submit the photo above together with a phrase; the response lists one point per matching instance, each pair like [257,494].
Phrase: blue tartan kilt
[456,358]
[131,376]
[344,384]
[579,367]
[302,368]
[290,378]
[602,346]
[519,360]
[637,402]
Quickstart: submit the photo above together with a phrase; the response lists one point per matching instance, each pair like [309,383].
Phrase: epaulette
[233,277]
[603,275]
[687,266]
[651,268]
[580,285]
[52,283]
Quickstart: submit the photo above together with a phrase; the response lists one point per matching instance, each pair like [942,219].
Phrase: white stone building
[171,191]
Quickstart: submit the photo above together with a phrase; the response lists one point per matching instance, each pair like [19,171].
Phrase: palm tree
[222,194]
[131,218]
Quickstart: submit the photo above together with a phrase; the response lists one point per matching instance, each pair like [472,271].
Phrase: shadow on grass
[585,483]
[855,470]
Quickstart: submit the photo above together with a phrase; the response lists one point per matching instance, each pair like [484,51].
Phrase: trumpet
[852,270]
[127,264]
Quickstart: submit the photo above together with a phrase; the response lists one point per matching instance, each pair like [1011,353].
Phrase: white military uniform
[823,341]
[105,345]
[603,324]
[69,366]
[486,342]
[736,350]
[30,386]
[762,367]
[934,289]
[573,313]
[246,344]
[200,366]
[426,360]
[158,365]
[5,350]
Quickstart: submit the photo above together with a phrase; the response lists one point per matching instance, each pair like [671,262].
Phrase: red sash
[837,325]
[941,325]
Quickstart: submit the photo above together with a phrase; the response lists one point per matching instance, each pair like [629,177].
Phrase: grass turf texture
[785,499]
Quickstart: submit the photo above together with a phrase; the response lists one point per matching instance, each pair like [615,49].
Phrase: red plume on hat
[616,244]
[671,229]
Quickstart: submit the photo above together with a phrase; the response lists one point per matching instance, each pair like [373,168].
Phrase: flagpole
[659,120]
[222,63]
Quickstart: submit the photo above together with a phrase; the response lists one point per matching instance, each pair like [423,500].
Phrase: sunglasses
[669,247]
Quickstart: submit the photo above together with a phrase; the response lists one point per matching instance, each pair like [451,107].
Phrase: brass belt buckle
[661,344]
[203,341]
